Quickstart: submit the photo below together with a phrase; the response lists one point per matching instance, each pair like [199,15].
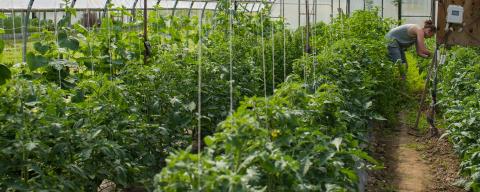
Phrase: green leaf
[80,28]
[41,48]
[69,43]
[4,74]
[36,61]
[350,174]
[209,140]
[2,45]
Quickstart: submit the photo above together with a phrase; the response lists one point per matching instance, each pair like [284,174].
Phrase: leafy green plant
[459,90]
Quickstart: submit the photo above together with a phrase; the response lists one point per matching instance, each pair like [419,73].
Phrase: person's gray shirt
[400,37]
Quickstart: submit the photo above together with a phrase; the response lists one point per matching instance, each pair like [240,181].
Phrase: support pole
[399,12]
[299,12]
[348,8]
[331,11]
[145,33]
[25,30]
[190,10]
[174,8]
[433,131]
[105,9]
[382,7]
[307,29]
[134,10]
[433,12]
[422,98]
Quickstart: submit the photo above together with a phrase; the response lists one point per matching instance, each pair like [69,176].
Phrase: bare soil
[412,163]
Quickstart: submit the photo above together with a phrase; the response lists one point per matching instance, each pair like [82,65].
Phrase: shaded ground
[413,164]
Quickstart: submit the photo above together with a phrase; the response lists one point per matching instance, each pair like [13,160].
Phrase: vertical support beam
[105,9]
[339,7]
[433,14]
[72,5]
[299,12]
[145,33]
[399,12]
[203,10]
[25,30]
[307,29]
[134,10]
[68,14]
[174,8]
[348,7]
[384,7]
[190,10]
[331,11]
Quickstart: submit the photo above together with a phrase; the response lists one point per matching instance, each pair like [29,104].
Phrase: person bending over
[402,37]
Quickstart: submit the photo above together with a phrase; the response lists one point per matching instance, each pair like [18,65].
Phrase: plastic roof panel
[89,4]
[100,4]
[15,4]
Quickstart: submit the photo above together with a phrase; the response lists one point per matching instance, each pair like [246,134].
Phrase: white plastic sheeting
[100,4]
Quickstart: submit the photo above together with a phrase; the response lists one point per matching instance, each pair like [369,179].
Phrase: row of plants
[311,133]
[459,91]
[85,107]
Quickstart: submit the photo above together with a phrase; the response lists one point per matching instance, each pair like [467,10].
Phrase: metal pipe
[203,10]
[399,12]
[134,10]
[299,13]
[105,9]
[25,30]
[383,8]
[72,5]
[190,10]
[145,32]
[174,7]
[307,30]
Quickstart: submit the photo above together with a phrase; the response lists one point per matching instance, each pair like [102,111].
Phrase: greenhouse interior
[240,95]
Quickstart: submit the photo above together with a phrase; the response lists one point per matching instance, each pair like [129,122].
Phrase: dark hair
[429,25]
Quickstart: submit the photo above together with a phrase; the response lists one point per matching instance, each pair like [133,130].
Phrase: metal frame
[134,10]
[25,30]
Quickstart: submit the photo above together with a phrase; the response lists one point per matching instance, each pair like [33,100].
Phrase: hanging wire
[39,24]
[314,48]
[264,71]
[109,42]
[284,41]
[263,58]
[302,45]
[89,22]
[273,56]
[58,46]
[231,9]
[14,31]
[199,102]
[22,31]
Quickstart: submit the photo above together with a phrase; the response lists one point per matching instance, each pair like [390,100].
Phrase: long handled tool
[427,79]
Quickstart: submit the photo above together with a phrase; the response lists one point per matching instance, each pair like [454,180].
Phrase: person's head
[429,29]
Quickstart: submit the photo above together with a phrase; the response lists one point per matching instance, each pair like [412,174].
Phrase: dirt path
[412,163]
[411,173]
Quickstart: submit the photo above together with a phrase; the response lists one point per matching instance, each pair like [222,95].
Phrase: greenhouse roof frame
[101,5]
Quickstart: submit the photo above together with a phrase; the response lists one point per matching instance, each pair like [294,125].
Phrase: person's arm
[420,45]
